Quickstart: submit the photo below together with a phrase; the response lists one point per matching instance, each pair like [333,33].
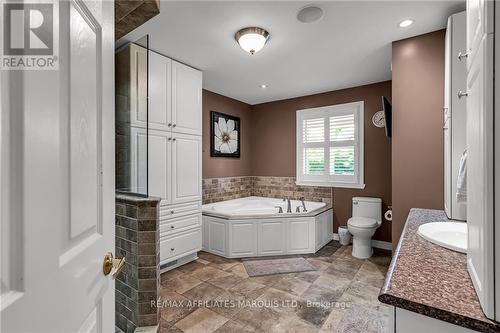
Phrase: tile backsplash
[227,188]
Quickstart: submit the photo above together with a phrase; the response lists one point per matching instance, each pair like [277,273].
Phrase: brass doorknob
[109,263]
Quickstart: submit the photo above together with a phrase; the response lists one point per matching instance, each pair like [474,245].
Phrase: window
[330,146]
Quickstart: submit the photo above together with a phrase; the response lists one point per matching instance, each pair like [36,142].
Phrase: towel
[462,179]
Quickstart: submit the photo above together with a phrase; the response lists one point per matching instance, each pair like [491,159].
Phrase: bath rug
[261,267]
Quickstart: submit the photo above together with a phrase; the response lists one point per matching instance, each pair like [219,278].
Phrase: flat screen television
[387,116]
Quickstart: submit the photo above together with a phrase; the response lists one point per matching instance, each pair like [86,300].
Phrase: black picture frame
[214,118]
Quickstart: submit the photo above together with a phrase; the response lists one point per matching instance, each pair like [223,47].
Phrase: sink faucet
[303,204]
[288,205]
[280,209]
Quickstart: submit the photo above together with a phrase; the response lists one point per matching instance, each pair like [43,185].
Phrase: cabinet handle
[171,227]
[171,212]
[169,139]
[172,249]
[174,139]
[169,125]
[174,125]
[462,55]
[461,94]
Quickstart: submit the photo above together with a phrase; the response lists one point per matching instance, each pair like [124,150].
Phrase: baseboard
[375,243]
[179,262]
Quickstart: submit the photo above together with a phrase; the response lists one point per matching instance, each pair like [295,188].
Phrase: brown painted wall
[273,145]
[220,166]
[417,147]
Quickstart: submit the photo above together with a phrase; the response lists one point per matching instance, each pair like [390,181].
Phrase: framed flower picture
[225,135]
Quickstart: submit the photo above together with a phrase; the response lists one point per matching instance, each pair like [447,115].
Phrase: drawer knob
[171,227]
[172,249]
[174,125]
[171,212]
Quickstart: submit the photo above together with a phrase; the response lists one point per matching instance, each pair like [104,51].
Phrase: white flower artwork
[225,135]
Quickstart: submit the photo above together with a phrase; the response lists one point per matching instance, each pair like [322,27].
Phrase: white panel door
[186,167]
[480,217]
[186,99]
[243,239]
[272,237]
[160,91]
[159,165]
[61,221]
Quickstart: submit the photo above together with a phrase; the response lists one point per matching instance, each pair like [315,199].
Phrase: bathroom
[252,167]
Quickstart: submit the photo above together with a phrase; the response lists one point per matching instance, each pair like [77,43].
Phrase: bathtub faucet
[303,204]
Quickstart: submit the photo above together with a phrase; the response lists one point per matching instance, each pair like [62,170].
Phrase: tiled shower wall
[221,189]
[137,239]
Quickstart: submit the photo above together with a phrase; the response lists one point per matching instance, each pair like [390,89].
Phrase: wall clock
[378,119]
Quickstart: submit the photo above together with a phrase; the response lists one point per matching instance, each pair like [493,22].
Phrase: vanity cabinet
[404,321]
[170,133]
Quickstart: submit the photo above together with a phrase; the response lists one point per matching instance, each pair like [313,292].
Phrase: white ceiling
[350,46]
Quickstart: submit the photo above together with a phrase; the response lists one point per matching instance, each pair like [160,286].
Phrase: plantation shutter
[329,146]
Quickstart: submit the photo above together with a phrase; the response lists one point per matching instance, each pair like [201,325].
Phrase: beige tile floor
[214,294]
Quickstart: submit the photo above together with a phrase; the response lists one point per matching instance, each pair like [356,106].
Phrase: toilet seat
[362,222]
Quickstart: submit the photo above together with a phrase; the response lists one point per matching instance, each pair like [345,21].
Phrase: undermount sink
[451,235]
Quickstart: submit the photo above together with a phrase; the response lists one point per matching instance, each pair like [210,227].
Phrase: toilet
[366,218]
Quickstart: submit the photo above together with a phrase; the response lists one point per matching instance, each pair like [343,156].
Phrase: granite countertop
[433,281]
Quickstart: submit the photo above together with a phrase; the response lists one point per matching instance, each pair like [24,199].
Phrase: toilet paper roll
[388,215]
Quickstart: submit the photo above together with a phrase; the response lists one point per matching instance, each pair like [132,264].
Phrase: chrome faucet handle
[280,209]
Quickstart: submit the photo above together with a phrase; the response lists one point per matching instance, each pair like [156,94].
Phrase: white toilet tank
[367,207]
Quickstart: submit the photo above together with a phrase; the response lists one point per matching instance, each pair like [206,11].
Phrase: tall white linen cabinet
[174,146]
[483,149]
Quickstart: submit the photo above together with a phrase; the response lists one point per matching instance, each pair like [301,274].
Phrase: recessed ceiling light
[263,86]
[405,23]
[252,39]
[310,13]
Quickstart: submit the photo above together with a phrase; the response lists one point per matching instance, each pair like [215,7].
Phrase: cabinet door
[159,165]
[138,158]
[138,86]
[186,99]
[299,236]
[186,167]
[480,21]
[215,238]
[272,237]
[160,92]
[243,239]
[480,217]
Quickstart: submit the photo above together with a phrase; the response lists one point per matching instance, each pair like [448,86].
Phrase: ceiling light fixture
[252,39]
[263,86]
[405,23]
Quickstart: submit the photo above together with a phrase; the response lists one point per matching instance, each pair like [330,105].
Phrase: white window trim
[358,109]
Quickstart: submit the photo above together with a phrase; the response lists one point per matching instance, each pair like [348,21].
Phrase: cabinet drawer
[174,211]
[168,226]
[180,244]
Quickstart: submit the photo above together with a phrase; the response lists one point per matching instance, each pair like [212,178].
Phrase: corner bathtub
[252,227]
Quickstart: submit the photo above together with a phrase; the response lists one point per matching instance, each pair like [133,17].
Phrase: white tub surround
[252,227]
